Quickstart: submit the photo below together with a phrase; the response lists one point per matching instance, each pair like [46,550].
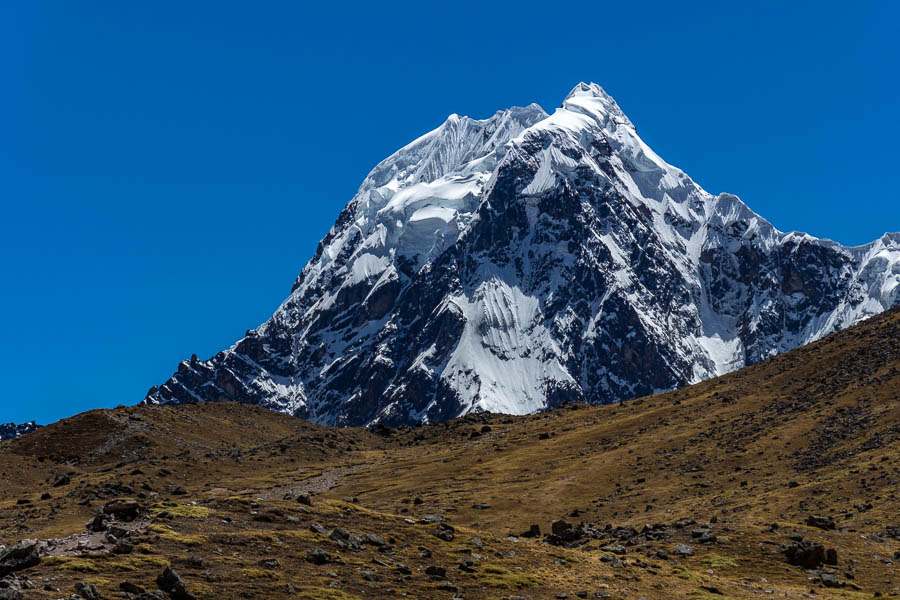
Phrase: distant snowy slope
[9,431]
[512,263]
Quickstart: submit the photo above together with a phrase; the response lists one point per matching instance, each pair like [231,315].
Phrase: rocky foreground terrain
[778,480]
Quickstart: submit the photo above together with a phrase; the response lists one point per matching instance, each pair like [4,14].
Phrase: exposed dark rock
[807,554]
[436,571]
[171,582]
[445,532]
[123,510]
[317,556]
[533,532]
[374,540]
[88,591]
[21,556]
[345,540]
[131,588]
[97,523]
[820,522]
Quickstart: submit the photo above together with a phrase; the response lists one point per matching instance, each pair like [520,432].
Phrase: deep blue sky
[166,168]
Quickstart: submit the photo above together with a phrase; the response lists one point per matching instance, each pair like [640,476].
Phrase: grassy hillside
[733,468]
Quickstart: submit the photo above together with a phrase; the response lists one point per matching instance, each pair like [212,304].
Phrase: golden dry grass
[816,431]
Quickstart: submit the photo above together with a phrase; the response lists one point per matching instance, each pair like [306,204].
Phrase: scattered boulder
[171,582]
[374,539]
[432,519]
[560,527]
[820,522]
[88,591]
[703,535]
[97,524]
[317,556]
[21,556]
[436,571]
[122,547]
[807,554]
[466,564]
[830,580]
[131,588]
[562,533]
[533,532]
[320,529]
[445,532]
[11,587]
[345,540]
[682,550]
[304,499]
[123,510]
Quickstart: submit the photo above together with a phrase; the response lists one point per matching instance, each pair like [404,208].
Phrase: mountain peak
[589,89]
[512,263]
[591,100]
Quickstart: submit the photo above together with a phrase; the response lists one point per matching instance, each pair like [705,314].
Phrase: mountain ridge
[511,263]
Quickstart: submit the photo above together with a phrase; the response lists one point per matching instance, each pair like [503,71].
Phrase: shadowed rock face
[512,263]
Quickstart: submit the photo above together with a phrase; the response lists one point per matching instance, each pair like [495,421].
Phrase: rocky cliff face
[10,431]
[512,263]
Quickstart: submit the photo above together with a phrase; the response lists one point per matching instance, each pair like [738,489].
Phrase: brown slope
[815,431]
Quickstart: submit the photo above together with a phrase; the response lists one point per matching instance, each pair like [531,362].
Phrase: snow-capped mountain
[9,431]
[512,263]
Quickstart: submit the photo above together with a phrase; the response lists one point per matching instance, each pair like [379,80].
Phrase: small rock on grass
[171,582]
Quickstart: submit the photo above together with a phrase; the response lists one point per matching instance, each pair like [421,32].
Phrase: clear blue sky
[167,168]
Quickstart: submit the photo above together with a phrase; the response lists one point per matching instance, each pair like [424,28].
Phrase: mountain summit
[511,263]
